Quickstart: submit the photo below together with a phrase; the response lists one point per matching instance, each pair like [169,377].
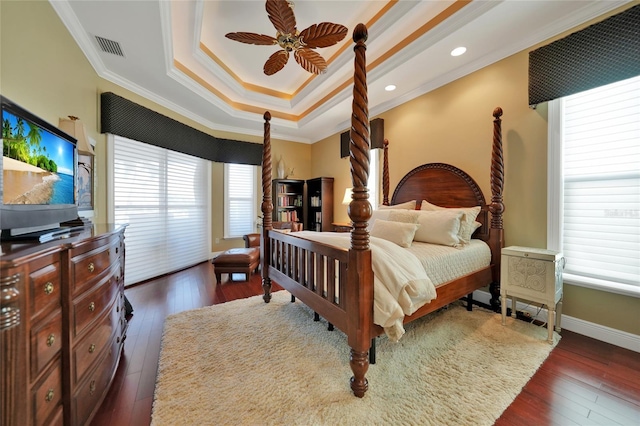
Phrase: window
[240,197]
[164,197]
[594,186]
[374,182]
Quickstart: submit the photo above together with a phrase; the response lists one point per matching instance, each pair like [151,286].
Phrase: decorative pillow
[439,227]
[396,232]
[405,216]
[467,226]
[409,205]
[378,214]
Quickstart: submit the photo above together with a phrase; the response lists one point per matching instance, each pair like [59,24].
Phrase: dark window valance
[600,54]
[120,116]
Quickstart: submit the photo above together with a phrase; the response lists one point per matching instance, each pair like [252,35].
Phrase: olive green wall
[42,69]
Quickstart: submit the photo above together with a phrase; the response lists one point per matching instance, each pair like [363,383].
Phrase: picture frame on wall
[85,182]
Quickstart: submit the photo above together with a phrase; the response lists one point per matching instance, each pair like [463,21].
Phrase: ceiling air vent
[109,46]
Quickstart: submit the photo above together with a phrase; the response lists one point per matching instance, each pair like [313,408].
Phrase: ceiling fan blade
[324,34]
[252,38]
[281,16]
[310,60]
[276,62]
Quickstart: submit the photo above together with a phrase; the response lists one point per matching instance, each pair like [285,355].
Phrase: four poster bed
[337,279]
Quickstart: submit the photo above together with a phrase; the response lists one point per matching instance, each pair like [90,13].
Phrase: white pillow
[283,231]
[468,221]
[406,216]
[439,227]
[376,215]
[396,232]
[409,205]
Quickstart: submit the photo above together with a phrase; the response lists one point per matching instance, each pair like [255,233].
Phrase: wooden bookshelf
[320,204]
[288,200]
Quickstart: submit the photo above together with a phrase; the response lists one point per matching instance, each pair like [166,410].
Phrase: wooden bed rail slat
[319,273]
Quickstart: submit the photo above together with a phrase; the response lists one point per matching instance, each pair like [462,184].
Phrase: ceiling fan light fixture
[288,37]
[289,42]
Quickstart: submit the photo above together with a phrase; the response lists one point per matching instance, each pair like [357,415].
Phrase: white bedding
[401,285]
[445,263]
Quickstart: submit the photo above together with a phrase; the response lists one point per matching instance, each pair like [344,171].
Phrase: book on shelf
[288,216]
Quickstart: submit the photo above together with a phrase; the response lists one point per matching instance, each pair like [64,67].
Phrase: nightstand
[534,275]
[341,227]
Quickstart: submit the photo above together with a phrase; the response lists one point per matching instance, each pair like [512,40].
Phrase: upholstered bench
[236,261]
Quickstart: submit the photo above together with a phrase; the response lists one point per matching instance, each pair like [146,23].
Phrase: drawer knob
[48,288]
[49,396]
[92,387]
[92,348]
[92,307]
[91,267]
[51,340]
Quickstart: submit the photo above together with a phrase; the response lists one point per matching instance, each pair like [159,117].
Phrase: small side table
[341,227]
[534,275]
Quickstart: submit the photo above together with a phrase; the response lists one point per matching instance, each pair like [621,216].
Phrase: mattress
[443,263]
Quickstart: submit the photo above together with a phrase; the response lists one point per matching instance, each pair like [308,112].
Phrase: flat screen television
[39,174]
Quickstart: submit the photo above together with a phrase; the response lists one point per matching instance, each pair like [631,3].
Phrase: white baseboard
[590,329]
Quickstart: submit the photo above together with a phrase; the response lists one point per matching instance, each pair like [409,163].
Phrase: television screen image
[38,166]
[39,179]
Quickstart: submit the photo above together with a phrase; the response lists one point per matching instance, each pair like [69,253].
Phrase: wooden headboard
[446,186]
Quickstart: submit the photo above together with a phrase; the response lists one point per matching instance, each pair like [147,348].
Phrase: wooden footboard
[313,272]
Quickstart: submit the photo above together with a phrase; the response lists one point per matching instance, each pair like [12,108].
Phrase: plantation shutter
[240,200]
[601,137]
[163,196]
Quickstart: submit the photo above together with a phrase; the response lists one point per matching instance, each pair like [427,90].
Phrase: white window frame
[555,195]
[373,184]
[251,198]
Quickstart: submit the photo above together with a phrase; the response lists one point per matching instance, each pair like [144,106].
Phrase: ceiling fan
[288,37]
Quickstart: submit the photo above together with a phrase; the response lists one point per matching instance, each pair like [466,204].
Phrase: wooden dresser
[62,326]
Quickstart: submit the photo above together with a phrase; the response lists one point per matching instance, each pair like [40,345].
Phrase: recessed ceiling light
[390,88]
[458,51]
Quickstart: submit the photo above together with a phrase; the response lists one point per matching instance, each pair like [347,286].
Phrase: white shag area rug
[250,363]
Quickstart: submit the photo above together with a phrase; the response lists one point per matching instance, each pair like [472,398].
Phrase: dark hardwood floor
[584,381]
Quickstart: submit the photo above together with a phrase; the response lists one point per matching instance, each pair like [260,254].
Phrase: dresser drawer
[45,288]
[94,345]
[57,418]
[89,307]
[91,260]
[46,342]
[92,391]
[47,396]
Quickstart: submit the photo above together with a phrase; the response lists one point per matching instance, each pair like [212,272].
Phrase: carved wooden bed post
[497,206]
[360,275]
[385,173]
[267,209]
